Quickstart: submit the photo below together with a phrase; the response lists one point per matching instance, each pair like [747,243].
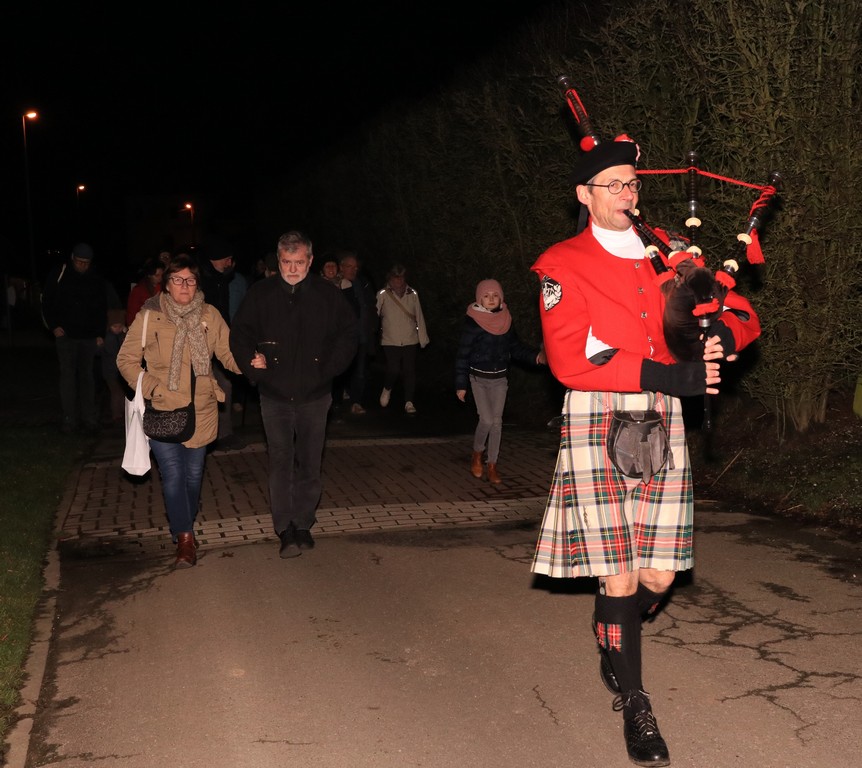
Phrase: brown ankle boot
[476,464]
[186,555]
[493,477]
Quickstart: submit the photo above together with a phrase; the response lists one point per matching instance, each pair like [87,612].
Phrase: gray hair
[291,242]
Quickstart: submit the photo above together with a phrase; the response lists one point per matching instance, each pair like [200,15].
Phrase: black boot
[644,742]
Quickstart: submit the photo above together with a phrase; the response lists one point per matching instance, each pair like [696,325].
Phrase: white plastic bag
[136,458]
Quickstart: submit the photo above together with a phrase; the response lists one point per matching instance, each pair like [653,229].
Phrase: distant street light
[80,188]
[191,209]
[31,115]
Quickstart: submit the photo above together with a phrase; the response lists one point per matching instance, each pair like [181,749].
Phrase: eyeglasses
[191,282]
[616,186]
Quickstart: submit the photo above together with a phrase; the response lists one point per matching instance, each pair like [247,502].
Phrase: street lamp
[191,209]
[31,115]
[80,188]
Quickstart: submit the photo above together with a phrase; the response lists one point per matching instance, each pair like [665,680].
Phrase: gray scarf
[187,318]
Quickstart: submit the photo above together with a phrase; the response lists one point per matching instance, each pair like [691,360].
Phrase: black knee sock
[618,625]
[648,600]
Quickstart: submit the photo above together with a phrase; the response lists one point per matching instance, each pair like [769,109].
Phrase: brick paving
[383,470]
[370,484]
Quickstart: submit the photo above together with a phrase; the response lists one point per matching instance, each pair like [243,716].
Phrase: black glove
[679,379]
[728,343]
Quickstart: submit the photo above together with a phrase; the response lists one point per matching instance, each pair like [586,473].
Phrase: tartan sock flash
[618,630]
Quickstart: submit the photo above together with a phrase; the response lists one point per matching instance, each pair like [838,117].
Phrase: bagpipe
[694,294]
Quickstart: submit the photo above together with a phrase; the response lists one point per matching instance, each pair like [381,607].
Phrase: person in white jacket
[403,333]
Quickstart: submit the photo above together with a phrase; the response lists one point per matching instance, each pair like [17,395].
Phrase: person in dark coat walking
[74,306]
[292,335]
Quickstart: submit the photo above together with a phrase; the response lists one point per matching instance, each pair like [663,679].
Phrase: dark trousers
[225,409]
[352,381]
[77,382]
[401,361]
[295,435]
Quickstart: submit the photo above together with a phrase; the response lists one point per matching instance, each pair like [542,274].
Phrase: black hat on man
[215,248]
[605,155]
[82,251]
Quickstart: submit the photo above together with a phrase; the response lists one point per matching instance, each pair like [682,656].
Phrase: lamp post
[80,188]
[31,115]
[191,209]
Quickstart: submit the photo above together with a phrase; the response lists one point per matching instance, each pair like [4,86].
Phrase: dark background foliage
[439,138]
[469,181]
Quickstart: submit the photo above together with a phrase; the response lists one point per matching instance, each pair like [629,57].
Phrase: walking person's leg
[390,375]
[408,371]
[357,376]
[85,364]
[66,357]
[279,423]
[495,391]
[656,516]
[117,397]
[483,426]
[181,472]
[308,485]
[193,459]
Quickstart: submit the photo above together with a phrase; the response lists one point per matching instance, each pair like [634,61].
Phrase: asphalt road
[424,646]
[439,648]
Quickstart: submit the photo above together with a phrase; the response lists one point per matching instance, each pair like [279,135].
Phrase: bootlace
[636,710]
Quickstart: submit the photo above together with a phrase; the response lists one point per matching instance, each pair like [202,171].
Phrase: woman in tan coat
[182,334]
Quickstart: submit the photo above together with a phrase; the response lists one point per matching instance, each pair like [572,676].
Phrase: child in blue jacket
[488,343]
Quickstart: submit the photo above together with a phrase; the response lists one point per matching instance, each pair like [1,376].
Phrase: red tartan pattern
[609,636]
[598,522]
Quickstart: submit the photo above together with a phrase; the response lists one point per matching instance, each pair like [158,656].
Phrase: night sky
[194,99]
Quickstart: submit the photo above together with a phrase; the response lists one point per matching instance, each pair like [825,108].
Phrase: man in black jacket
[75,309]
[292,335]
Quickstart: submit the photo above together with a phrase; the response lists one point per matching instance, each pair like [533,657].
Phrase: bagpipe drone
[694,294]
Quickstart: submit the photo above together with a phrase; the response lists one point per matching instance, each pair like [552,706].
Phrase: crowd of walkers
[207,335]
[620,505]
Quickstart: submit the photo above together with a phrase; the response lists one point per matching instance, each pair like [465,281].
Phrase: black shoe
[289,546]
[644,743]
[303,538]
[606,671]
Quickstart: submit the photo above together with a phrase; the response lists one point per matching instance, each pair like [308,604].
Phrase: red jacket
[137,296]
[587,289]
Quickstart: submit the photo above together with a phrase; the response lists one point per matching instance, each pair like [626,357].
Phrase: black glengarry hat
[621,151]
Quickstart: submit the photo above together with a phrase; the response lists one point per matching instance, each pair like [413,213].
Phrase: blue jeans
[295,435]
[77,382]
[181,470]
[490,397]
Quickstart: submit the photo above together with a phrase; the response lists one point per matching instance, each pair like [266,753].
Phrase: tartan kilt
[598,522]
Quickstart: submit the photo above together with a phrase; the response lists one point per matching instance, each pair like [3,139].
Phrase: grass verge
[36,463]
